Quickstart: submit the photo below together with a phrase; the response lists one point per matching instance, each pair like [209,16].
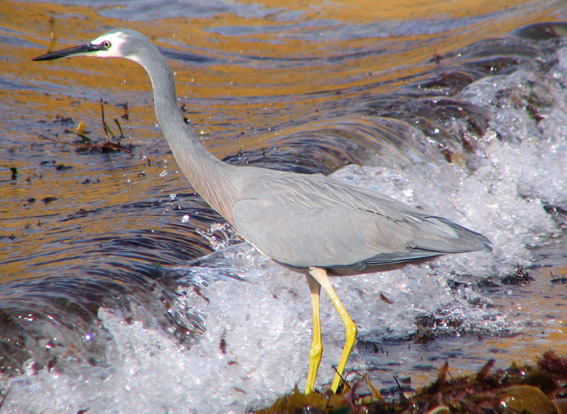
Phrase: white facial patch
[116,40]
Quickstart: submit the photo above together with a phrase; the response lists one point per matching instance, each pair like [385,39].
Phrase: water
[121,291]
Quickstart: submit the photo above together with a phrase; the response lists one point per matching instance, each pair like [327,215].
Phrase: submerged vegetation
[85,143]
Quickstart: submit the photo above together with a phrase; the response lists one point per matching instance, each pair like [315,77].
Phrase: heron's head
[115,43]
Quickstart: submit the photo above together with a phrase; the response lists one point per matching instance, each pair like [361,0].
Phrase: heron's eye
[106,44]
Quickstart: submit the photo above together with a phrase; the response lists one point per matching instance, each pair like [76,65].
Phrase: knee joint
[316,350]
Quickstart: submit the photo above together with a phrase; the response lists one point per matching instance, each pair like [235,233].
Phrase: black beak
[71,51]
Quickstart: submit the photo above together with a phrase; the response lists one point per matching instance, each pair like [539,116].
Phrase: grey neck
[210,177]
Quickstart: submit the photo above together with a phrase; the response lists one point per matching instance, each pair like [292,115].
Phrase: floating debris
[112,143]
[48,200]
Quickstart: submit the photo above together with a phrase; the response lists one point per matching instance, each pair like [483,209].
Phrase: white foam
[255,346]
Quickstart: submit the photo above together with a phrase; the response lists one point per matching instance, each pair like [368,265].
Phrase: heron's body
[307,222]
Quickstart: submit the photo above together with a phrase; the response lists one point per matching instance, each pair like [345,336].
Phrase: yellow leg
[320,275]
[317,345]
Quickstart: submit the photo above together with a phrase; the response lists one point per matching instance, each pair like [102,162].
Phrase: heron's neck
[210,177]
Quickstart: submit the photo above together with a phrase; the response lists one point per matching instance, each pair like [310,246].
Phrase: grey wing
[315,221]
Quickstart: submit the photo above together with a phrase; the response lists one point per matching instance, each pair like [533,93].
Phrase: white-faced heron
[310,223]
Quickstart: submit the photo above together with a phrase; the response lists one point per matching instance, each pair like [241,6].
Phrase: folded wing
[307,221]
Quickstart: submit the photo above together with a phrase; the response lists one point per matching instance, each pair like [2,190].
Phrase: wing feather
[311,220]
